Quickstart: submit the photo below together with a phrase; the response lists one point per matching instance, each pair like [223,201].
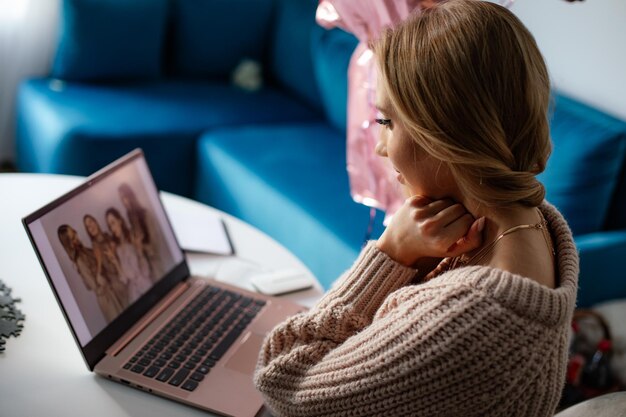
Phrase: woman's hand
[423,228]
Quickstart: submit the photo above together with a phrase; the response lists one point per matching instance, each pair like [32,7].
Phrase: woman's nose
[381,148]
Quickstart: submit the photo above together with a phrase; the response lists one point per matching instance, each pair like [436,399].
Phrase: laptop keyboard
[186,349]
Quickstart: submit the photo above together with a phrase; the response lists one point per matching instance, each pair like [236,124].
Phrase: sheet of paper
[199,231]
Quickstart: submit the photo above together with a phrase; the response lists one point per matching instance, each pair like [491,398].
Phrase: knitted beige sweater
[475,341]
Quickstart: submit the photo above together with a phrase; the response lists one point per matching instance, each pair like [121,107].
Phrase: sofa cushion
[210,38]
[616,218]
[73,128]
[110,39]
[601,256]
[291,182]
[291,64]
[582,173]
[332,50]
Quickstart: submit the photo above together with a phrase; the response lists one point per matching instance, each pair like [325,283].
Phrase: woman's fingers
[418,201]
[424,227]
[459,228]
[438,206]
[473,239]
[475,235]
[451,214]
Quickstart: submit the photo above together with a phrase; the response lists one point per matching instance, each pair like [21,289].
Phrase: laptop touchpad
[245,357]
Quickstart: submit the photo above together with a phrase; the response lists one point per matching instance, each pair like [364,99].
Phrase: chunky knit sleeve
[347,308]
[375,346]
[474,341]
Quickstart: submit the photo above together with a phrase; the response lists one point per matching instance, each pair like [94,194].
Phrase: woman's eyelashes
[384,122]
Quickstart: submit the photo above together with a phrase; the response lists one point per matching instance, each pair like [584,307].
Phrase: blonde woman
[463,305]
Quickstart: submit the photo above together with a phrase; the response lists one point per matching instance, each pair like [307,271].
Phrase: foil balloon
[372,179]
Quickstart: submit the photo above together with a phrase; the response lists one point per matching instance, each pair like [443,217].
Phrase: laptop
[138,317]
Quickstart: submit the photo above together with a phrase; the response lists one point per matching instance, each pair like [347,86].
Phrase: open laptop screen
[106,245]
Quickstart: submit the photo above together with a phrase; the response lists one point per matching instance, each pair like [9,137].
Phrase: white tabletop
[42,371]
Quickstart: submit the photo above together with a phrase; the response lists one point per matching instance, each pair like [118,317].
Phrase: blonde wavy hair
[469,84]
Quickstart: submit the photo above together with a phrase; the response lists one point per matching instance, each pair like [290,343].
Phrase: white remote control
[281,282]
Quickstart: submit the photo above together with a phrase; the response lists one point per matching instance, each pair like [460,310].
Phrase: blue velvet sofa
[273,157]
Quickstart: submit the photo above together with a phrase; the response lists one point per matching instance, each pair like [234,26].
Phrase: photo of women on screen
[145,232]
[108,266]
[134,268]
[108,246]
[85,263]
[122,263]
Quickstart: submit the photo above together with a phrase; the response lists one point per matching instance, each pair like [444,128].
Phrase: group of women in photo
[123,261]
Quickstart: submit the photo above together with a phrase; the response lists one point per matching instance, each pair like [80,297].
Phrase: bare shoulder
[528,256]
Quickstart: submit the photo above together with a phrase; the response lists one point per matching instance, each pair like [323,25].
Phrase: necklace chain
[480,255]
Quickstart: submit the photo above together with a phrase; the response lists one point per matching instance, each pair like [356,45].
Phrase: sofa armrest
[602,275]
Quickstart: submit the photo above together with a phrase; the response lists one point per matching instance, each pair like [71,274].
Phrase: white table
[42,372]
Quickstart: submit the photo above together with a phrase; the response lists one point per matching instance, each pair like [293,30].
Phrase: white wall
[584,44]
[28,36]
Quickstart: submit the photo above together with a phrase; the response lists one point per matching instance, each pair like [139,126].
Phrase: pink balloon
[372,180]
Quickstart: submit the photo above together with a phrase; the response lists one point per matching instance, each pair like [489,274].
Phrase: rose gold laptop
[138,317]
